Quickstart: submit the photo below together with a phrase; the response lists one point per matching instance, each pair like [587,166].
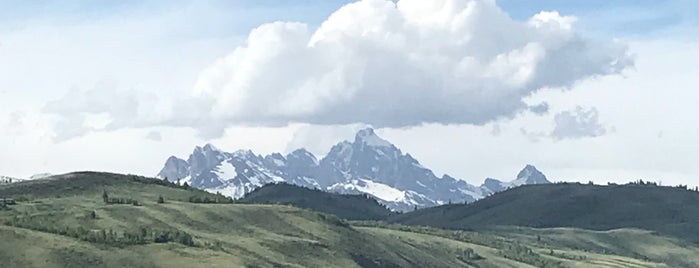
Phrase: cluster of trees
[157,181]
[652,183]
[177,183]
[4,202]
[219,199]
[686,187]
[645,183]
[521,253]
[563,255]
[469,255]
[113,200]
[104,236]
[332,219]
[173,236]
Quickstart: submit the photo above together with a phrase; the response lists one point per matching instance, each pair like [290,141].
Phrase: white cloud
[154,136]
[103,107]
[402,64]
[578,123]
[380,63]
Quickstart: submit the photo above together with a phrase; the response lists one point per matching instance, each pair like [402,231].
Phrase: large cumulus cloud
[377,62]
[400,64]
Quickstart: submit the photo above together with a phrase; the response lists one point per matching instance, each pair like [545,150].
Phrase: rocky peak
[275,160]
[492,185]
[302,155]
[245,154]
[174,169]
[531,175]
[368,137]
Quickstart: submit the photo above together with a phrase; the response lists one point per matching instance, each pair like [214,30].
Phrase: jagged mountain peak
[369,165]
[368,136]
[528,175]
[207,153]
[245,154]
[275,156]
[175,168]
[174,159]
[207,149]
[301,152]
[531,175]
[276,160]
[302,155]
[211,147]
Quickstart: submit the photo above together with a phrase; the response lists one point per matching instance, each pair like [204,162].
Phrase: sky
[585,90]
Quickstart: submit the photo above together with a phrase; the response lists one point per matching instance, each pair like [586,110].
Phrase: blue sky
[628,17]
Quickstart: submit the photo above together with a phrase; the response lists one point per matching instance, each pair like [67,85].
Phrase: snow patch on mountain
[394,199]
[225,171]
[378,190]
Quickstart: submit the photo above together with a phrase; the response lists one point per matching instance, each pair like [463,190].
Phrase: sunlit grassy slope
[64,222]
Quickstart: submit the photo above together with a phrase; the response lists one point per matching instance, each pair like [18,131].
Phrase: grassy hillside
[351,207]
[667,210]
[72,226]
[77,228]
[91,184]
[633,243]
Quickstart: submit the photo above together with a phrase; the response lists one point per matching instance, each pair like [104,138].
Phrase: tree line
[139,236]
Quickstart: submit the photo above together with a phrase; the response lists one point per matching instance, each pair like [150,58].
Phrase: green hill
[64,221]
[666,210]
[351,207]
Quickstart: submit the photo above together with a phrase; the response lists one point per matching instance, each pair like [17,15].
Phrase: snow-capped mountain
[369,164]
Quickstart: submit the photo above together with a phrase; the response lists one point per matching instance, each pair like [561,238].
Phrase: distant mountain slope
[368,165]
[351,207]
[668,210]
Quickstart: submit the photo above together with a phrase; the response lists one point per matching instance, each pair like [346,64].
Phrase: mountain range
[368,165]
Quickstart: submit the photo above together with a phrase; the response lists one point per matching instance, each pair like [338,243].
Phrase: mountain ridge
[368,165]
[350,207]
[664,209]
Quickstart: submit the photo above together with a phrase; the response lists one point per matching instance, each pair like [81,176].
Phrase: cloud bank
[402,64]
[372,62]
